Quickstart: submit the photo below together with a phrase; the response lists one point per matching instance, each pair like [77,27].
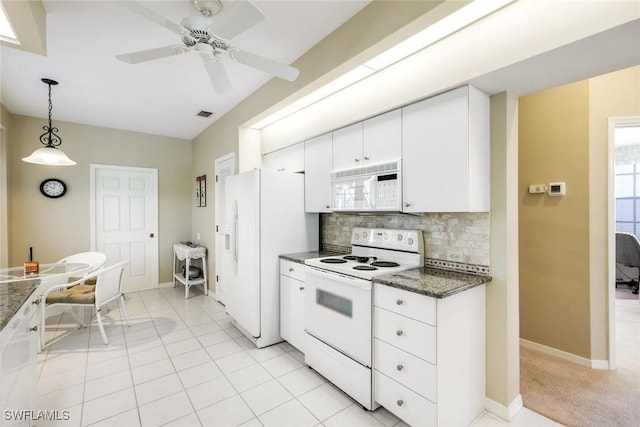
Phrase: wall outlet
[455,256]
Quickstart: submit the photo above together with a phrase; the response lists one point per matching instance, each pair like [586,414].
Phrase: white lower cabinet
[18,364]
[292,313]
[429,356]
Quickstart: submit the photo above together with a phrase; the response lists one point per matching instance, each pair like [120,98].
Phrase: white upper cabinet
[288,159]
[317,174]
[347,147]
[382,138]
[376,140]
[445,151]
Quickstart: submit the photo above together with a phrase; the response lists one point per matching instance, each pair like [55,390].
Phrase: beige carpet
[577,396]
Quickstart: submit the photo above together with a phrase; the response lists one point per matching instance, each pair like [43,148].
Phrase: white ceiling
[159,97]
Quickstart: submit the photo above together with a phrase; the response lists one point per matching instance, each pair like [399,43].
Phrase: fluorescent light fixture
[448,25]
[6,30]
[330,88]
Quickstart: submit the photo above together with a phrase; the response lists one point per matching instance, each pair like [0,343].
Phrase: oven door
[338,312]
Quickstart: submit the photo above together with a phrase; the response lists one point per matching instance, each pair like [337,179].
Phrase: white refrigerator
[265,217]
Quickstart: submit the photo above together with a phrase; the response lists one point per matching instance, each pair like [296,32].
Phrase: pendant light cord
[50,138]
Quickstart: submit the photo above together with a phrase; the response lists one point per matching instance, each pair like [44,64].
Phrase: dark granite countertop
[432,282]
[12,296]
[302,256]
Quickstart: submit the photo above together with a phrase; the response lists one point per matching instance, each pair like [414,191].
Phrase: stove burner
[385,264]
[333,261]
[364,267]
[350,257]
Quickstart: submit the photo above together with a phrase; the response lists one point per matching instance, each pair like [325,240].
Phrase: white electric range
[339,305]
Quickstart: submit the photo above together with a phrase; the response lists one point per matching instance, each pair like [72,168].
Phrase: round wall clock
[53,187]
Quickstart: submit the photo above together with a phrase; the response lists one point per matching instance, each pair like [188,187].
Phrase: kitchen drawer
[410,304]
[292,269]
[407,334]
[415,373]
[407,405]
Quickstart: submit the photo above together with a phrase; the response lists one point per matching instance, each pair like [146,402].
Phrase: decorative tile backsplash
[456,241]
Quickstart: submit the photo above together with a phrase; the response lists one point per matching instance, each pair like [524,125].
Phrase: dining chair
[95,259]
[107,288]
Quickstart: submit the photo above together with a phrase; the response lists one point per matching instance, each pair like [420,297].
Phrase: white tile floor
[182,363]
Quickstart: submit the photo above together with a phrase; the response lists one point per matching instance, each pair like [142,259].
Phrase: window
[628,198]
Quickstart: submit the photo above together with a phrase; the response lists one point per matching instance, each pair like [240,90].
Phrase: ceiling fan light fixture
[50,154]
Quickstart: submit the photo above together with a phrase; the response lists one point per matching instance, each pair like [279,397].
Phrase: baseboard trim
[165,285]
[504,412]
[568,357]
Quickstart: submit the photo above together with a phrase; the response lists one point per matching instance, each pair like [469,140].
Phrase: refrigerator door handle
[235,237]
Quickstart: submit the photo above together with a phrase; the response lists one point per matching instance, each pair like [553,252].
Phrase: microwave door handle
[345,280]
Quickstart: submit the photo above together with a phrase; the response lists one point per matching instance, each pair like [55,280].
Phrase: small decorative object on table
[31,268]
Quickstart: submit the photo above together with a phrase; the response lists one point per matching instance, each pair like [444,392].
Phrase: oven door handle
[337,277]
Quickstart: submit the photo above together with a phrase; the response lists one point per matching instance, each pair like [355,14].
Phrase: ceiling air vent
[203,113]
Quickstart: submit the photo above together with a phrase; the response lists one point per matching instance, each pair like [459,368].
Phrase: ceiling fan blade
[267,65]
[236,18]
[151,54]
[144,11]
[219,77]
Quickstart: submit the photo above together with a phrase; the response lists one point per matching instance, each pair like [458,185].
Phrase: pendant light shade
[50,154]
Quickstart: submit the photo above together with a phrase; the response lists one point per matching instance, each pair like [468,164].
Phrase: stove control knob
[399,332]
[410,241]
[399,237]
[364,234]
[357,236]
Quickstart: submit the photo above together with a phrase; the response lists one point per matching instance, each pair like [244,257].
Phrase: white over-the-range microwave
[367,189]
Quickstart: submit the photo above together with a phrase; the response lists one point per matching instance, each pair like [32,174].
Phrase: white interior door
[125,221]
[224,166]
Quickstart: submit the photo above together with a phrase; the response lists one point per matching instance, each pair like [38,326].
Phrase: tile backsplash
[457,240]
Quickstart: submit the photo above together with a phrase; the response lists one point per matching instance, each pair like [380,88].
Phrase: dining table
[16,287]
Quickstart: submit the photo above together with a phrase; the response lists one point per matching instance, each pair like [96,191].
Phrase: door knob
[151,235]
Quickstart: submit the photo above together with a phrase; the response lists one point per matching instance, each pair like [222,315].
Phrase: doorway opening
[624,229]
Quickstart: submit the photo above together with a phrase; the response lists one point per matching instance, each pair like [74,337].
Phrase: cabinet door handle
[399,402]
[366,158]
[407,204]
[34,329]
[356,160]
[301,288]
[399,301]
[399,367]
[290,270]
[399,332]
[327,206]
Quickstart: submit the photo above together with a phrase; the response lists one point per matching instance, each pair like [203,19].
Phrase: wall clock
[53,187]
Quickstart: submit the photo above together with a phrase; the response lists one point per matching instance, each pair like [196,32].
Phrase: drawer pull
[399,402]
[399,301]
[290,270]
[34,329]
[301,288]
[399,367]
[399,332]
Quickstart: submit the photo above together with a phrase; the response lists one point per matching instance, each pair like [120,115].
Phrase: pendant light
[50,154]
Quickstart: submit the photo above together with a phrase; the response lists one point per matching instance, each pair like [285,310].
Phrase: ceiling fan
[208,34]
